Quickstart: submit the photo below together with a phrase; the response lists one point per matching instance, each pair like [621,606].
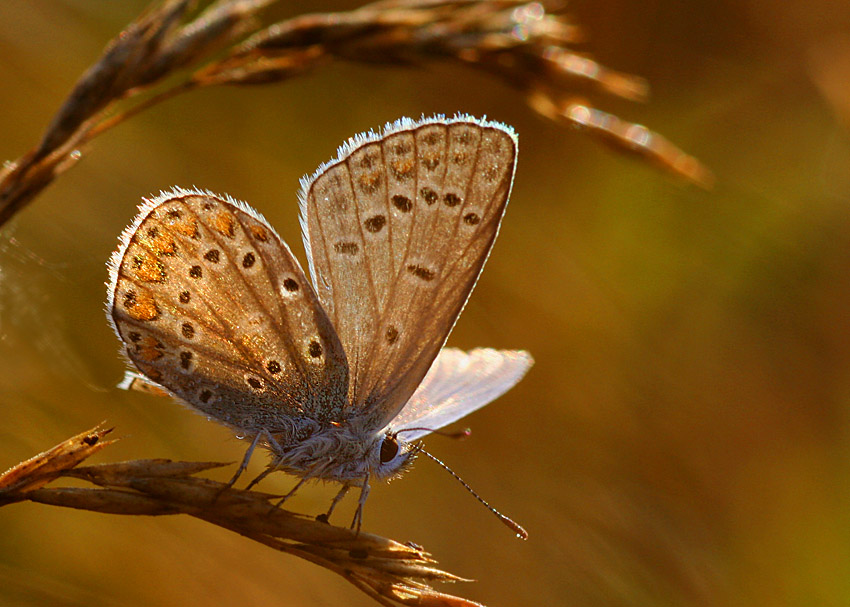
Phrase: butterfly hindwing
[210,304]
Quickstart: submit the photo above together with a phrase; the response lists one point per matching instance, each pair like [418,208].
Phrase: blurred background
[684,437]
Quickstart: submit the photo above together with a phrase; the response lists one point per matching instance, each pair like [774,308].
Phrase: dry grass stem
[391,572]
[170,50]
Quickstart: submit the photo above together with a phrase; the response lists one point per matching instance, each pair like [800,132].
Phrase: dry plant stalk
[168,50]
[390,572]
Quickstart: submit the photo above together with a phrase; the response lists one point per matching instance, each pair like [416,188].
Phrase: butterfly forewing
[211,304]
[457,384]
[398,230]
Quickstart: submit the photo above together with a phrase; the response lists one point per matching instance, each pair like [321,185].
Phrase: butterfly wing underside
[188,272]
[397,231]
[457,384]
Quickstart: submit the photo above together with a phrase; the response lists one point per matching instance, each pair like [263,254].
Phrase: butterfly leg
[272,467]
[245,459]
[358,515]
[327,515]
[288,495]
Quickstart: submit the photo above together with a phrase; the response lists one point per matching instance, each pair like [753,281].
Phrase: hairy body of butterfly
[336,378]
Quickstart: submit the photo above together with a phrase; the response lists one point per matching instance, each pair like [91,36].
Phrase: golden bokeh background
[684,437]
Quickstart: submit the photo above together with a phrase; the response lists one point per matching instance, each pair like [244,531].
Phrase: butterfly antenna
[465,433]
[513,525]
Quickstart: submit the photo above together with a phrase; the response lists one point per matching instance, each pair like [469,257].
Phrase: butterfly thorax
[342,452]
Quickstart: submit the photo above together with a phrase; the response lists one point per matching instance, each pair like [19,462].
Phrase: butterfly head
[394,455]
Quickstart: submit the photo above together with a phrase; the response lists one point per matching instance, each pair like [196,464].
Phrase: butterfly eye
[389,448]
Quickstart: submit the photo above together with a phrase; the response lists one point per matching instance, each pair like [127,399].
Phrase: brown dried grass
[390,572]
[171,49]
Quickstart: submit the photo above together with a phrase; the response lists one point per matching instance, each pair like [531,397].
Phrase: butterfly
[339,375]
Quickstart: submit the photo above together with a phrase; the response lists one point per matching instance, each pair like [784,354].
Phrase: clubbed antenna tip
[521,533]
